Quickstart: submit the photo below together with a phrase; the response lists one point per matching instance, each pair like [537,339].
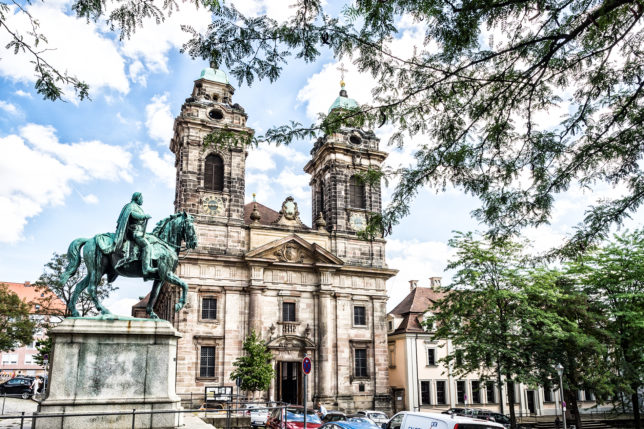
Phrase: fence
[222,409]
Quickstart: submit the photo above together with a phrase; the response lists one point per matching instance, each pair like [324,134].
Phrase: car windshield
[298,416]
[377,416]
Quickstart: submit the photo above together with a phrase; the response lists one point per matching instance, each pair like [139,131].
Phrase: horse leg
[78,289]
[174,279]
[154,294]
[95,267]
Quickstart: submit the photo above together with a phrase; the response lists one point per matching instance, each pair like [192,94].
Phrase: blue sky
[67,168]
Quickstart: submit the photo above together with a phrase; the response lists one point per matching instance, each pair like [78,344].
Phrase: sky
[68,167]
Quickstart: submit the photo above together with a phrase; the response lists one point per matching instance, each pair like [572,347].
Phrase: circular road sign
[306,365]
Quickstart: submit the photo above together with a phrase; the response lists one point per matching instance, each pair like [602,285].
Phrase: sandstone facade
[317,290]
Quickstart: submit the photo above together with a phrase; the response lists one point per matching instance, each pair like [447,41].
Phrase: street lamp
[560,370]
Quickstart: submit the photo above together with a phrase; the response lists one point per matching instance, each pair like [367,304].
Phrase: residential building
[21,360]
[306,290]
[421,382]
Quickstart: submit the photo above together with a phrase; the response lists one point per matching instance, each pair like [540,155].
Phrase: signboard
[306,365]
[219,393]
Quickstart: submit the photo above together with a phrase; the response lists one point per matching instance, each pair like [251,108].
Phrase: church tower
[210,180]
[338,191]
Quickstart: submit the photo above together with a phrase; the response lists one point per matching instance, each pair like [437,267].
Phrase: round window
[355,139]
[216,114]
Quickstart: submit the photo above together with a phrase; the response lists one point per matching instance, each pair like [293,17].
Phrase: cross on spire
[342,70]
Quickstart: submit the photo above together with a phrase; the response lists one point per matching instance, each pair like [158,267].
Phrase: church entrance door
[289,382]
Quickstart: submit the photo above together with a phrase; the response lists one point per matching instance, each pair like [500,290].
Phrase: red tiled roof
[32,295]
[418,301]
[143,303]
[268,215]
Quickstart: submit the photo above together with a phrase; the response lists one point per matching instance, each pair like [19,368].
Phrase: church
[317,290]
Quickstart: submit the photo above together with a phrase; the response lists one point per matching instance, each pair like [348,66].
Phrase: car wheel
[25,395]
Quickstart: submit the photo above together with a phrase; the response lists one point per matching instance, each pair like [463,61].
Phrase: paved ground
[13,406]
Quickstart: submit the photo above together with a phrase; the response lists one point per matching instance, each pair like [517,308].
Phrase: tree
[613,278]
[44,349]
[16,327]
[254,367]
[52,289]
[484,309]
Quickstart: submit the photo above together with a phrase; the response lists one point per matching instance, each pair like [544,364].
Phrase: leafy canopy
[254,367]
[16,328]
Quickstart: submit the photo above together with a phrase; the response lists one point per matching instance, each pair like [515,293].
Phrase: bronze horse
[100,258]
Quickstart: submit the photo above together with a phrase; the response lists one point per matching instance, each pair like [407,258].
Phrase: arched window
[320,202]
[356,193]
[214,173]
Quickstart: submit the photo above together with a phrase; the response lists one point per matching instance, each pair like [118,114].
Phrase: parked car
[377,417]
[18,386]
[258,415]
[334,416]
[351,423]
[292,417]
[495,417]
[407,420]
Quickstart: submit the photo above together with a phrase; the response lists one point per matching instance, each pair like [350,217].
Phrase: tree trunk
[636,406]
[499,385]
[513,417]
[574,408]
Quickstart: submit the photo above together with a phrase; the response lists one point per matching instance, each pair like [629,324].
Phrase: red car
[292,417]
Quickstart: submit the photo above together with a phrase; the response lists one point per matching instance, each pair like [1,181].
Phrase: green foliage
[476,98]
[612,277]
[44,349]
[51,289]
[254,367]
[16,328]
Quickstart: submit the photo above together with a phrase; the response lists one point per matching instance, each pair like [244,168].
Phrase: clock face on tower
[213,205]
[358,221]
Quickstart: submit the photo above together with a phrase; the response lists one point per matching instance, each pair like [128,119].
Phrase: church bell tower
[338,190]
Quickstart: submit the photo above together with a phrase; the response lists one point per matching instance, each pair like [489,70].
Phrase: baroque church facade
[317,290]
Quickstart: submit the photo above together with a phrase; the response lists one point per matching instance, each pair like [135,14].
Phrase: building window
[320,199]
[391,325]
[424,393]
[441,397]
[209,308]
[356,193]
[460,391]
[214,173]
[489,392]
[29,359]
[431,357]
[547,395]
[207,362]
[9,358]
[359,315]
[476,392]
[360,363]
[288,312]
[458,357]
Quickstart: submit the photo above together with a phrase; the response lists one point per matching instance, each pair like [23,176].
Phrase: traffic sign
[306,365]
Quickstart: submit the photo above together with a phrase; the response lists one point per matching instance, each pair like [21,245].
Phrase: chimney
[435,282]
[413,284]
[27,284]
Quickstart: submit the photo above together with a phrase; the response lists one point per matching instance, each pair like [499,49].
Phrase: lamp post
[560,370]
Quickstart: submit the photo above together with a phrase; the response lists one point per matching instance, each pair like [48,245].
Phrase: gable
[293,249]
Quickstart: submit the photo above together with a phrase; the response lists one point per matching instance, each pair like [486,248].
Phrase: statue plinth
[112,364]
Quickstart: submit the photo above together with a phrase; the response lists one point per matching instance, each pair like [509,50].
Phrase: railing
[230,412]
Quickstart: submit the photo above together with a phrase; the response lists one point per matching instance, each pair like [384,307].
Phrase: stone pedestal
[106,364]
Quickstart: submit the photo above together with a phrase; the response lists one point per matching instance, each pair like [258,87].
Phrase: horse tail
[73,258]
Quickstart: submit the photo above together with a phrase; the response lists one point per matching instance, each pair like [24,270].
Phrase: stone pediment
[296,250]
[290,342]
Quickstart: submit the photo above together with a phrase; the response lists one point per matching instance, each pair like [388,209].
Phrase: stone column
[326,338]
[255,298]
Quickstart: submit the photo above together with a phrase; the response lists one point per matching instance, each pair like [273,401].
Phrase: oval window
[355,139]
[216,114]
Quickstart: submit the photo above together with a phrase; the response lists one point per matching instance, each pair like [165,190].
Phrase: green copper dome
[344,103]
[214,75]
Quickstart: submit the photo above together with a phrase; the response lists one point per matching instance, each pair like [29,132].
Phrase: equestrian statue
[130,252]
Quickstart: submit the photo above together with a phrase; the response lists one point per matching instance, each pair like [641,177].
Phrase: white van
[409,420]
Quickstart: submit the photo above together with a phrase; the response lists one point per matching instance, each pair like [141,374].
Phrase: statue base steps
[112,364]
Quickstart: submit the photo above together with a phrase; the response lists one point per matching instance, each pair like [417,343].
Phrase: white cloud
[74,45]
[261,185]
[8,107]
[21,93]
[294,184]
[261,157]
[159,120]
[38,171]
[161,166]
[90,198]
[416,260]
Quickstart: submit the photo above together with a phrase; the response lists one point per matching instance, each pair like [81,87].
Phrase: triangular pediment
[294,249]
